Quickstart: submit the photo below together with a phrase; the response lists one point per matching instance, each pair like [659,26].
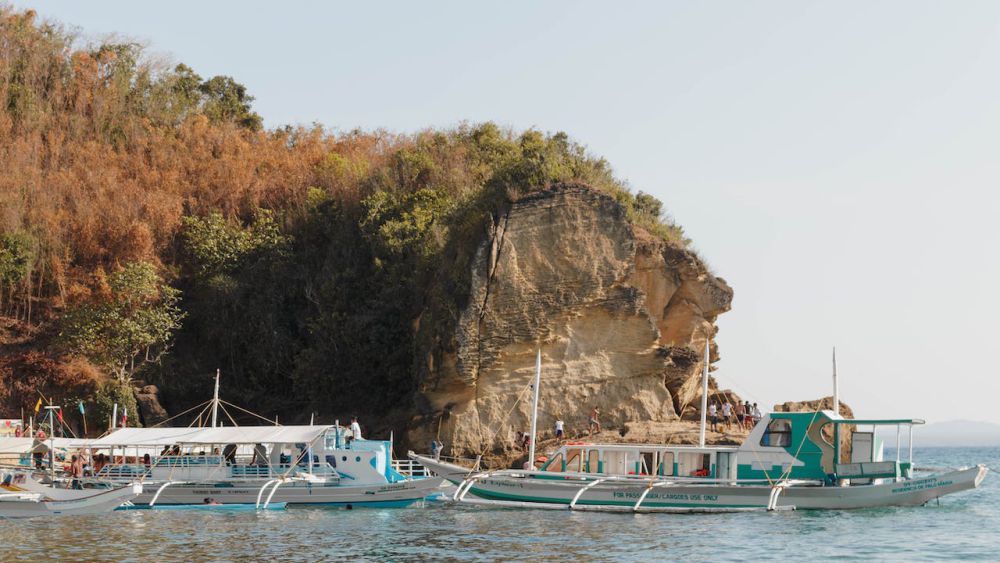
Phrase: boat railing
[410,468]
[646,479]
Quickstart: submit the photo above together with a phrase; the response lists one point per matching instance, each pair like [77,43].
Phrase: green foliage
[400,226]
[106,396]
[212,246]
[228,100]
[130,326]
[17,254]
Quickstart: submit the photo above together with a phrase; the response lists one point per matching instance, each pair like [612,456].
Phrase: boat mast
[836,388]
[704,397]
[52,445]
[215,400]
[534,408]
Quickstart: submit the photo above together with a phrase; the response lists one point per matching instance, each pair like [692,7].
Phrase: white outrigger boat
[259,465]
[788,461]
[20,497]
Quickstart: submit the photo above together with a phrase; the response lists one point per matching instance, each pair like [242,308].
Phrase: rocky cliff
[621,319]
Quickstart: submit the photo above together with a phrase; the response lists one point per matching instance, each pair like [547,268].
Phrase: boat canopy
[877,421]
[223,435]
[23,445]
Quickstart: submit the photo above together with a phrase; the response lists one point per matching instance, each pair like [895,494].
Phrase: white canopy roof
[22,445]
[225,435]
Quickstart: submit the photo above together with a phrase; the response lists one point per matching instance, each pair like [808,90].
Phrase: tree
[228,100]
[129,326]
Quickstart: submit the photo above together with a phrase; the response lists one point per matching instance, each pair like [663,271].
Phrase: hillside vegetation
[152,229]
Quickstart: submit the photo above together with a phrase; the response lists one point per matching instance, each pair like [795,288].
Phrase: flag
[81,408]
[59,414]
[124,418]
[38,405]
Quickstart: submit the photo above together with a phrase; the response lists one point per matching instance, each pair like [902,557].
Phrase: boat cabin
[813,446]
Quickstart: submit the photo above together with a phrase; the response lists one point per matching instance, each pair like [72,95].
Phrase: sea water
[961,526]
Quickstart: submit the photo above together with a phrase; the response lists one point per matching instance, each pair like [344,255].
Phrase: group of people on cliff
[744,414]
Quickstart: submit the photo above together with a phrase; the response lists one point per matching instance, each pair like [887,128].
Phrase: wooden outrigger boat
[20,497]
[789,460]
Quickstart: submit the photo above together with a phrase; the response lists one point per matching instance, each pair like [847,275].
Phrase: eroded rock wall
[620,318]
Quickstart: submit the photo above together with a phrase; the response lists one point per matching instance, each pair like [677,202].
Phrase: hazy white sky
[836,162]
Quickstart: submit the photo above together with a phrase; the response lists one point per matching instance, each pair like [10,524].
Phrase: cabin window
[574,459]
[555,464]
[778,433]
[666,464]
[647,464]
[594,462]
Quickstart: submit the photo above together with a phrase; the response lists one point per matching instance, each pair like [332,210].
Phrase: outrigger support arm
[274,489]
[772,500]
[579,493]
[160,490]
[260,493]
[646,492]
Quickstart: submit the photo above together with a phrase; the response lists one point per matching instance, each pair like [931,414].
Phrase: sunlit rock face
[621,318]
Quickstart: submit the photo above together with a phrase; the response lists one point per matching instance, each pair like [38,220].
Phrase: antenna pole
[534,408]
[215,401]
[704,396]
[836,387]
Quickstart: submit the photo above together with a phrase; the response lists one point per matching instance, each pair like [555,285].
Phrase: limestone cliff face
[620,318]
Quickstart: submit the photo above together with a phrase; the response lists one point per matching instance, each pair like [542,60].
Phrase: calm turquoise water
[963,526]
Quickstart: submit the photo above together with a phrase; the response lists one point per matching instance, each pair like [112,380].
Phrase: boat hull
[515,487]
[293,493]
[97,502]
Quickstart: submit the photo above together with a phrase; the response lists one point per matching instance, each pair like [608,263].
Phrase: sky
[835,162]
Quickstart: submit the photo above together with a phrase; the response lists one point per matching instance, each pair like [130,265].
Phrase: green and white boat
[801,460]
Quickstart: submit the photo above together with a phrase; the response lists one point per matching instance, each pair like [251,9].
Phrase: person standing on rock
[559,429]
[713,416]
[741,413]
[594,424]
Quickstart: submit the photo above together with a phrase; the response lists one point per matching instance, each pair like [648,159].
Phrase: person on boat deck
[211,501]
[756,414]
[147,461]
[259,455]
[76,471]
[594,422]
[741,413]
[355,428]
[229,453]
[727,413]
[713,416]
[559,429]
[436,448]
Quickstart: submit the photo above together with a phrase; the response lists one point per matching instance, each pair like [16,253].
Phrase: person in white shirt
[355,428]
[559,429]
[727,413]
[713,416]
[756,414]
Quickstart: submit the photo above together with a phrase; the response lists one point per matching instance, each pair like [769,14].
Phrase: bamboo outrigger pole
[836,387]
[534,409]
[704,397]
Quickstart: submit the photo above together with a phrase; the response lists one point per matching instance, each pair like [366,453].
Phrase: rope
[267,420]
[181,414]
[505,417]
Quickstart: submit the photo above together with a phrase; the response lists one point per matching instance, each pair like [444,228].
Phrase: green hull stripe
[491,495]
